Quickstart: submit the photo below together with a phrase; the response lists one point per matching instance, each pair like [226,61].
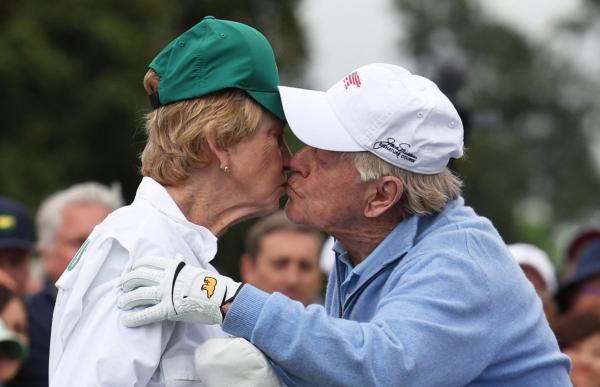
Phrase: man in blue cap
[16,242]
[581,294]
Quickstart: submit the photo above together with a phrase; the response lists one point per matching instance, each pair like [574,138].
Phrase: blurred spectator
[579,337]
[582,292]
[539,270]
[580,240]
[64,221]
[13,333]
[537,267]
[283,257]
[16,242]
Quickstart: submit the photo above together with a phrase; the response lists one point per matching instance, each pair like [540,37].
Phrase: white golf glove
[172,290]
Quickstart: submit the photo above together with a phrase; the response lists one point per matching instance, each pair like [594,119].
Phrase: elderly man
[64,221]
[283,257]
[424,292]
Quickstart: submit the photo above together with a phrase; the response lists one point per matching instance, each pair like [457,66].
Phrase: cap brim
[313,121]
[13,243]
[270,101]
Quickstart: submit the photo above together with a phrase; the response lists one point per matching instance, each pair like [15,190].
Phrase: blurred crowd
[29,268]
[279,256]
[572,305]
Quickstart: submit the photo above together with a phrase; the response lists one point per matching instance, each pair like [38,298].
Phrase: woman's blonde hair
[423,194]
[177,133]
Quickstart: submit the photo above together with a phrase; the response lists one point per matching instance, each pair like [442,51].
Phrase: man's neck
[361,240]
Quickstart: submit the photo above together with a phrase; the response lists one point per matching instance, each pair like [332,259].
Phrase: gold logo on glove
[209,285]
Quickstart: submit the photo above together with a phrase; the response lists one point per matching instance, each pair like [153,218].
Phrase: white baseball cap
[401,118]
[530,255]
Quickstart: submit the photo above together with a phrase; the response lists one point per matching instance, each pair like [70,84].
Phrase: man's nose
[298,163]
[292,277]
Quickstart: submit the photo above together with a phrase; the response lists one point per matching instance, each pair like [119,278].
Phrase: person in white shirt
[215,155]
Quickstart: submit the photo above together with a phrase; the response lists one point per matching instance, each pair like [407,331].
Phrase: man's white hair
[423,194]
[50,214]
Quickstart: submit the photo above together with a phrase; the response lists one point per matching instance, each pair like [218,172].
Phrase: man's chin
[291,211]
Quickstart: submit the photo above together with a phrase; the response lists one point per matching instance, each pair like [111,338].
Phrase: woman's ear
[383,194]
[221,154]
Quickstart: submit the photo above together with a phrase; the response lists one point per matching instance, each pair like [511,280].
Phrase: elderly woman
[215,155]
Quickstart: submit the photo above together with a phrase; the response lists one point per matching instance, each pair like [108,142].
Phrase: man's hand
[172,290]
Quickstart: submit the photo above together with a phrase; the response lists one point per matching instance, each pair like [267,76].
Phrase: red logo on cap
[352,79]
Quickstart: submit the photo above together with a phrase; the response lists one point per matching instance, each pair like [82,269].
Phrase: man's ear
[383,194]
[247,269]
[221,154]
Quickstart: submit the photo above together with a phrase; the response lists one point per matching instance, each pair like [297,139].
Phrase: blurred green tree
[71,73]
[528,165]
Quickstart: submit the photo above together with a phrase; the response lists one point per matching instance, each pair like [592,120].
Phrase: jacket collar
[201,240]
[396,244]
[399,241]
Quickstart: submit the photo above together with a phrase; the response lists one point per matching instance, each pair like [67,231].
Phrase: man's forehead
[329,156]
[289,239]
[276,235]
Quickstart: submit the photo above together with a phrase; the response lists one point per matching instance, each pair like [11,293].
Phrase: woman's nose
[286,155]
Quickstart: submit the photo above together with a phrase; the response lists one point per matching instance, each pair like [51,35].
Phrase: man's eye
[279,264]
[306,267]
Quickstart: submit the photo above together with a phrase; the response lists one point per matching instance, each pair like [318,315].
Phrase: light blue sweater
[440,302]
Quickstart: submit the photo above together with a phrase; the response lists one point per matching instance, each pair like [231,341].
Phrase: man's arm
[432,328]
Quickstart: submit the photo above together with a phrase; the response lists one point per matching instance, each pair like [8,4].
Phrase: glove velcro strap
[177,270]
[230,299]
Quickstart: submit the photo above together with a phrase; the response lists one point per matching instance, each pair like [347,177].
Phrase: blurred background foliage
[72,100]
[529,164]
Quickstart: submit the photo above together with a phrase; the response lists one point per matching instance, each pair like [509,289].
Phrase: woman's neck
[206,201]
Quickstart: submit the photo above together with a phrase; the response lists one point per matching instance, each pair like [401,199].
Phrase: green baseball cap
[10,344]
[214,55]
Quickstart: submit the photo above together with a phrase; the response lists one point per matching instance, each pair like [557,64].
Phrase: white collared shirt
[89,345]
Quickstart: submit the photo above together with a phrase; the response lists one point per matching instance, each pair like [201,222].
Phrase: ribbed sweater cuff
[244,311]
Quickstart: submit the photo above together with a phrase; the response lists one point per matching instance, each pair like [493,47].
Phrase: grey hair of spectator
[49,216]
